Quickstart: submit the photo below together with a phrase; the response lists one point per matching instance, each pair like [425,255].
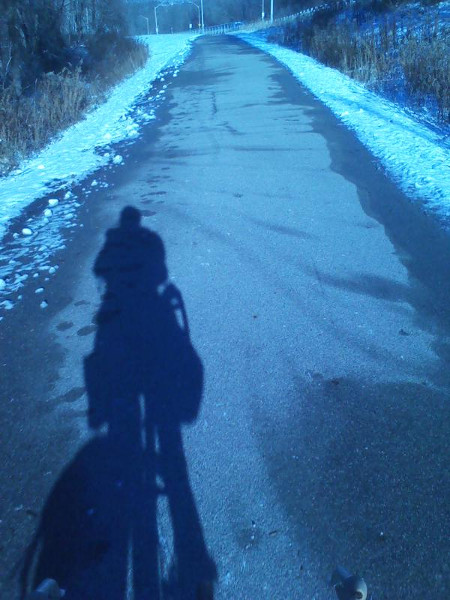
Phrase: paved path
[316,297]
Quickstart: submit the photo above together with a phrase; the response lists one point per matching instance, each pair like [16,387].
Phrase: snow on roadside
[414,155]
[76,152]
[29,256]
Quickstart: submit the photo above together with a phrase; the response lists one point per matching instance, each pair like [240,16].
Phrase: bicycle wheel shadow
[98,535]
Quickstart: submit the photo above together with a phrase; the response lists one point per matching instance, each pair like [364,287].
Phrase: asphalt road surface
[242,373]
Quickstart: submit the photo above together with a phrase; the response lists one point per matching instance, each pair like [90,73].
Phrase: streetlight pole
[198,10]
[201,17]
[148,27]
[156,20]
[263,14]
[271,11]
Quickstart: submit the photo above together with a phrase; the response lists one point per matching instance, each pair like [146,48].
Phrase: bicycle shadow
[98,535]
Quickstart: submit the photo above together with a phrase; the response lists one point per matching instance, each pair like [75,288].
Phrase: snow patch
[76,152]
[415,156]
[7,304]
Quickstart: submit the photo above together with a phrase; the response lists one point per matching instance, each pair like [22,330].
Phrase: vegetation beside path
[396,48]
[57,60]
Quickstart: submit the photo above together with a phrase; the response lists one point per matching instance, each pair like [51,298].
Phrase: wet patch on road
[369,225]
[72,395]
[87,330]
[249,537]
[360,468]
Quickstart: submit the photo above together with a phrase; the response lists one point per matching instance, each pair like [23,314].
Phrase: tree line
[58,58]
[39,36]
[178,15]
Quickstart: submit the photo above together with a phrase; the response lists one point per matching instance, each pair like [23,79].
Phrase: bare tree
[36,35]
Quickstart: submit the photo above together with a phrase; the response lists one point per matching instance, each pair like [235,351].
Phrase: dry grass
[114,58]
[380,52]
[29,121]
[363,58]
[426,66]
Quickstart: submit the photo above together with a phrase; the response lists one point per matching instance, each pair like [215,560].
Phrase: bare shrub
[291,34]
[26,123]
[426,64]
[57,100]
[104,51]
[61,99]
[362,56]
[386,51]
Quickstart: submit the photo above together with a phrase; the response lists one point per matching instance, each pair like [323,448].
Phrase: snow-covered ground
[80,150]
[416,156]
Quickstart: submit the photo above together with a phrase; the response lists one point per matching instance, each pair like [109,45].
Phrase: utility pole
[198,10]
[263,13]
[148,27]
[201,17]
[156,21]
[271,11]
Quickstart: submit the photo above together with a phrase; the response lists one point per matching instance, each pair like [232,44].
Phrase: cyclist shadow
[99,535]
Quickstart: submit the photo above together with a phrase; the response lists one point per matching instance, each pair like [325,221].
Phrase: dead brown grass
[426,66]
[378,53]
[363,58]
[29,121]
